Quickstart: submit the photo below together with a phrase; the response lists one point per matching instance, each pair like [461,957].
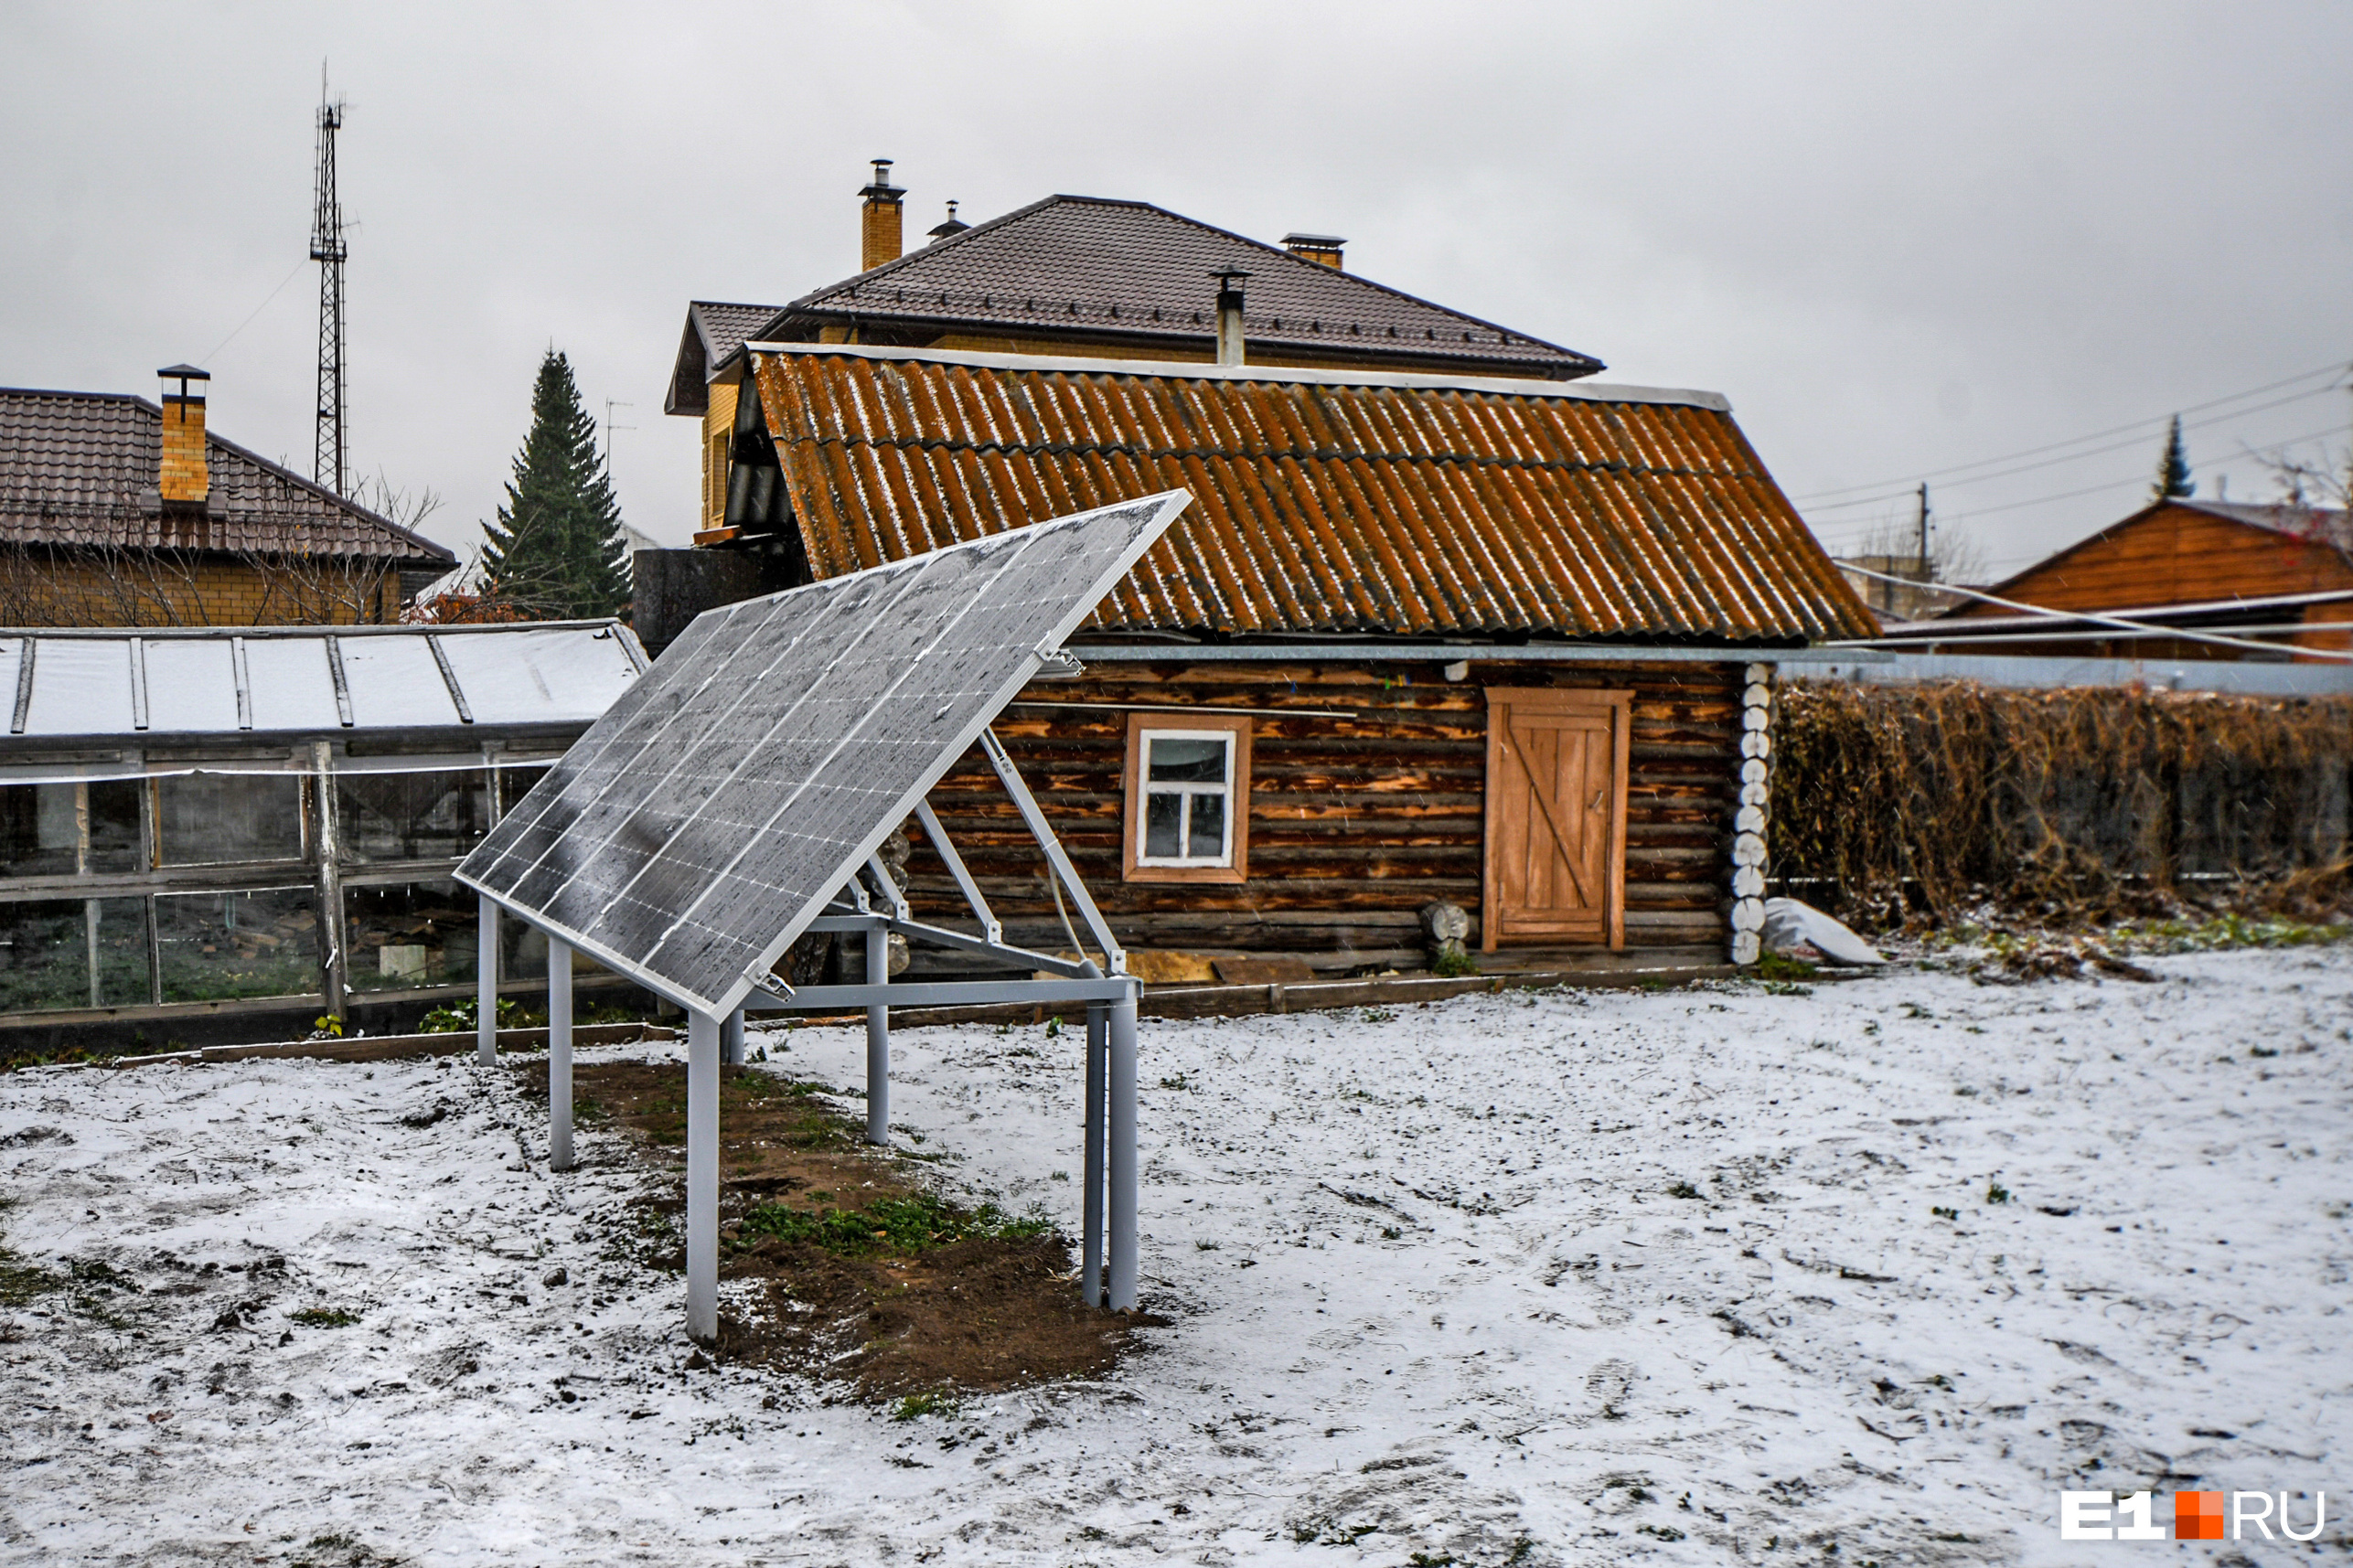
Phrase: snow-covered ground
[1429,1290]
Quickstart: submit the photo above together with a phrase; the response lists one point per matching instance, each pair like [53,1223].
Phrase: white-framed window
[1187,783]
[1187,814]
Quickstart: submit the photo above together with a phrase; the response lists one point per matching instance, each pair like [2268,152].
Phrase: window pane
[1175,761]
[410,816]
[214,819]
[514,783]
[1208,838]
[220,945]
[411,934]
[37,834]
[1163,815]
[115,832]
[46,950]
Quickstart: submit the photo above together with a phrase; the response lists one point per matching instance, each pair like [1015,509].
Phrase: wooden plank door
[1556,871]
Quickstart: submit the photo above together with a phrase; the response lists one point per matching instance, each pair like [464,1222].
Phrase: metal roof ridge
[1503,385]
[67,392]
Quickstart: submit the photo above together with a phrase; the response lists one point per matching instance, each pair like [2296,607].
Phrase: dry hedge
[1895,802]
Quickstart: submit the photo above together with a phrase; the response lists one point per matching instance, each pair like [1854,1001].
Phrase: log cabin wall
[1354,822]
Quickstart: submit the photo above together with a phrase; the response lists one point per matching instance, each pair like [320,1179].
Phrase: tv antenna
[610,404]
[329,466]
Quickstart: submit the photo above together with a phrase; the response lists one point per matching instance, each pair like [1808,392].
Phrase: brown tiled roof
[1087,268]
[1325,501]
[79,468]
[714,331]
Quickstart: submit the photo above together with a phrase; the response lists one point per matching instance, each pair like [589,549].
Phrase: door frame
[1582,702]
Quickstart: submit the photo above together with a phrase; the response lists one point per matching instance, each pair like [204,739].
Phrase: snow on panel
[191,685]
[560,673]
[81,685]
[697,827]
[395,684]
[290,683]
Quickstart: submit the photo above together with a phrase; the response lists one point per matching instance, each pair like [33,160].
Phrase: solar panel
[710,814]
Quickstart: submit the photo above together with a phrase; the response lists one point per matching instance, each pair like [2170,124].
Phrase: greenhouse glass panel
[73,952]
[217,946]
[514,783]
[41,828]
[410,816]
[410,934]
[219,819]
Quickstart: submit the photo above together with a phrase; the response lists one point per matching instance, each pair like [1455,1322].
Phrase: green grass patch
[916,1406]
[20,1282]
[2226,930]
[323,1317]
[887,1225]
[1782,967]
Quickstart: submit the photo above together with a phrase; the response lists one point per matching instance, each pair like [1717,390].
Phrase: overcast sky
[1901,239]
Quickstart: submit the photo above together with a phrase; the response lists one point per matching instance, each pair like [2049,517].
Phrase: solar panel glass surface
[699,826]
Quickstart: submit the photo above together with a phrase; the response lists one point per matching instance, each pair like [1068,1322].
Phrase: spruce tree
[557,550]
[2173,469]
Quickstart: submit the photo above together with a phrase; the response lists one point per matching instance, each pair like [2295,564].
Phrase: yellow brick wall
[136,589]
[184,476]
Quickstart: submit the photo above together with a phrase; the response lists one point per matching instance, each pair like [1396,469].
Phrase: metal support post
[1121,1084]
[878,1038]
[485,985]
[701,1177]
[731,1039]
[1090,1250]
[559,1054]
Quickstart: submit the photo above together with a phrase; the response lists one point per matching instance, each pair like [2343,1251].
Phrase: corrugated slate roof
[79,468]
[346,682]
[1327,502]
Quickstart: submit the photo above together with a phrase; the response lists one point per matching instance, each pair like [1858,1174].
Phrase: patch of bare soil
[842,1261]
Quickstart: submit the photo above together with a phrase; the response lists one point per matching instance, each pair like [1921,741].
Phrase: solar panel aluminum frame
[757,976]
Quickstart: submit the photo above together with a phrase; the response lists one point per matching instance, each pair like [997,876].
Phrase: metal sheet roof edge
[1454,653]
[404,628]
[1501,386]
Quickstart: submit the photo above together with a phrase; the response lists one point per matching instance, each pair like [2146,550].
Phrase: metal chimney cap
[882,184]
[183,374]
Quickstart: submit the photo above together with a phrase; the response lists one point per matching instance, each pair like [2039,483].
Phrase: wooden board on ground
[1276,969]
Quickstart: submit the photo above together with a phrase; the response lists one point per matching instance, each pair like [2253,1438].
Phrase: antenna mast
[328,466]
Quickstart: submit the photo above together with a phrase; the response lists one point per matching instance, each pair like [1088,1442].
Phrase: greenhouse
[226,822]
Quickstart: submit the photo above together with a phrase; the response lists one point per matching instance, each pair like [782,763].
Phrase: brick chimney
[1321,248]
[1229,313]
[184,479]
[879,224]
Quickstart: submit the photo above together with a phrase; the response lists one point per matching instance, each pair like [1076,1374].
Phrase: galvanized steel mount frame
[871,904]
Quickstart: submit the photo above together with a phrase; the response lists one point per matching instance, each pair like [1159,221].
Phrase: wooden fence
[1921,801]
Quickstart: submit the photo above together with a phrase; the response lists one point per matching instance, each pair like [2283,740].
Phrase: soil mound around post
[843,1263]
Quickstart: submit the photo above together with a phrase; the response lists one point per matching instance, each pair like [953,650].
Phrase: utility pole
[329,465]
[1924,573]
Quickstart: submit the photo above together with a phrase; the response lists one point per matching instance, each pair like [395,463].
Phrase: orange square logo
[2197,1516]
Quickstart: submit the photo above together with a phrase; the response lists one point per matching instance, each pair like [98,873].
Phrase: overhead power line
[1975,512]
[2135,439]
[1906,481]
